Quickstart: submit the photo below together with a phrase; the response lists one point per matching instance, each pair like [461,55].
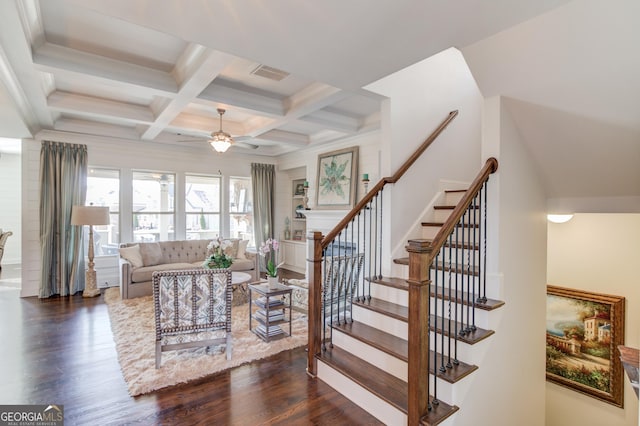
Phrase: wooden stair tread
[398,347]
[461,297]
[454,190]
[401,313]
[439,266]
[466,225]
[399,283]
[451,207]
[379,382]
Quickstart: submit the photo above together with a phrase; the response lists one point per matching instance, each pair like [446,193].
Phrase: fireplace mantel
[323,220]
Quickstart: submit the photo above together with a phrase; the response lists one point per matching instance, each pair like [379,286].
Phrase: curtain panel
[263,188]
[63,183]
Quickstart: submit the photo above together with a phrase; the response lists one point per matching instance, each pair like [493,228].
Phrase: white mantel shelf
[323,220]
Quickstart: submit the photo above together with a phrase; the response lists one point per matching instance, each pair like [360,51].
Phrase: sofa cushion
[132,255]
[145,273]
[241,265]
[151,254]
[242,248]
[232,249]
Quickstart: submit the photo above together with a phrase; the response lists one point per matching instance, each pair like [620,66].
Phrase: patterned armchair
[3,240]
[192,309]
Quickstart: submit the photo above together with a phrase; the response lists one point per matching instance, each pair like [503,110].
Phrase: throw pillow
[132,255]
[232,249]
[242,248]
[151,254]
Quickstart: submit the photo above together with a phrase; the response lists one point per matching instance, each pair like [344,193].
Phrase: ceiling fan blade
[245,145]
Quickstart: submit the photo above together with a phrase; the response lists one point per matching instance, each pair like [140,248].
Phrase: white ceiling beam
[243,97]
[206,125]
[333,120]
[72,125]
[98,107]
[281,136]
[194,71]
[310,99]
[55,58]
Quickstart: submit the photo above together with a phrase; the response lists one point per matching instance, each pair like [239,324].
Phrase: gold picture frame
[583,332]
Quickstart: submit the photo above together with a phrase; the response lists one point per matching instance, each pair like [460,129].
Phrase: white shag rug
[132,323]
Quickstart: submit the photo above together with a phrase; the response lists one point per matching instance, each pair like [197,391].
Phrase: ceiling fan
[220,141]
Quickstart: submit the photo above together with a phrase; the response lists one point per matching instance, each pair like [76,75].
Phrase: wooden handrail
[393,179]
[489,167]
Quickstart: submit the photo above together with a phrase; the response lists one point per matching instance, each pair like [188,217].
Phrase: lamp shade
[89,215]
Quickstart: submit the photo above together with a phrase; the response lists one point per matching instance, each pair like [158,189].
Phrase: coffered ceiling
[291,74]
[288,74]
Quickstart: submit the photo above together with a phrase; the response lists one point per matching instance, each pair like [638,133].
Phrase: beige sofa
[138,262]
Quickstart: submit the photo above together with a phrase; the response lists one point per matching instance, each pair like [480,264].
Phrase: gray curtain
[63,183]
[263,187]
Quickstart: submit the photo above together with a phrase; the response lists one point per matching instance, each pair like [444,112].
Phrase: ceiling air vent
[269,72]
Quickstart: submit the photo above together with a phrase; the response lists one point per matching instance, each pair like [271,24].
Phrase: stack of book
[262,302]
[273,330]
[274,315]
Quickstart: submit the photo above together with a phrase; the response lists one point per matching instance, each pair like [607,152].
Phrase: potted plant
[269,250]
[218,259]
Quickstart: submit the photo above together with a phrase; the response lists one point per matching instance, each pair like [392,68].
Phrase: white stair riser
[441,215]
[482,317]
[430,231]
[390,294]
[400,297]
[375,406]
[459,256]
[392,365]
[471,354]
[381,322]
[380,359]
[453,198]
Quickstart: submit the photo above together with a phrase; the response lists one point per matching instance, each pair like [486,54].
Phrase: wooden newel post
[314,277]
[418,366]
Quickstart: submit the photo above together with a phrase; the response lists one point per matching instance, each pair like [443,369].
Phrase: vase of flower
[272,282]
[216,256]
[269,250]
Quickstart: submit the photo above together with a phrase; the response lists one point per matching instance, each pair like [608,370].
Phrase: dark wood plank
[61,351]
[398,347]
[461,297]
[401,313]
[380,383]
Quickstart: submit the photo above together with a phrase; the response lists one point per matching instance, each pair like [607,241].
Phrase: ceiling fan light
[220,141]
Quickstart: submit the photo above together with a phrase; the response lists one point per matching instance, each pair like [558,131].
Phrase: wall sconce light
[559,218]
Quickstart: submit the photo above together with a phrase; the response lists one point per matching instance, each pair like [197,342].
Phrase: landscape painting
[583,331]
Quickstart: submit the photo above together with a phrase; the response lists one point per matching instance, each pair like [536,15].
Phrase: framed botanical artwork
[583,332]
[337,179]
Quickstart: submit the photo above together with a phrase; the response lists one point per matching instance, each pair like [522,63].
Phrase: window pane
[202,194]
[201,226]
[153,192]
[240,198]
[153,227]
[241,209]
[103,189]
[153,206]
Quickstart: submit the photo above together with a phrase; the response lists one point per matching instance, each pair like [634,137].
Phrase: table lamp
[90,215]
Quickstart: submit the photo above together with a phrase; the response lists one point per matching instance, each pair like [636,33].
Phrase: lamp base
[90,287]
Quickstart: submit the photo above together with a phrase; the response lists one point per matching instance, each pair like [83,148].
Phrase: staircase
[371,350]
[401,347]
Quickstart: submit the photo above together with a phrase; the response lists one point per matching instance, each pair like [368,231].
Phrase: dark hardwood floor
[61,351]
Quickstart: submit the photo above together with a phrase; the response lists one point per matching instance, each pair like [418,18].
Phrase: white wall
[421,96]
[125,155]
[508,388]
[597,253]
[368,162]
[10,199]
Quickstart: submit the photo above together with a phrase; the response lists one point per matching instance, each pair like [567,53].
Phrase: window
[103,189]
[202,206]
[241,209]
[153,206]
